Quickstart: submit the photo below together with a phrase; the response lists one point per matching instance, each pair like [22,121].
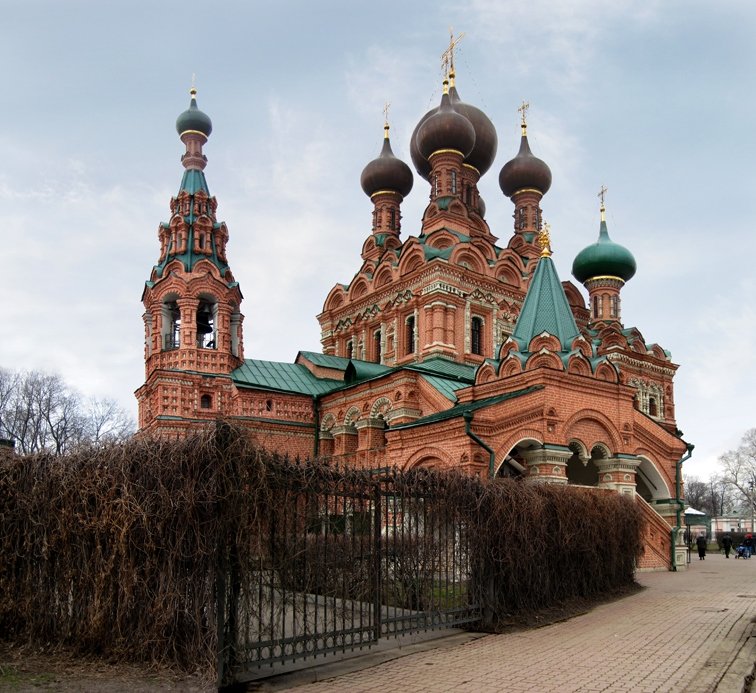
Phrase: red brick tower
[193,326]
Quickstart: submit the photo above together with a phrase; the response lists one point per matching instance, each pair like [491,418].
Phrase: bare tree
[40,412]
[739,469]
[106,421]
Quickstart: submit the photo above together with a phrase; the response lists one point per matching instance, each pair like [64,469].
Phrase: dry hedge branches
[115,550]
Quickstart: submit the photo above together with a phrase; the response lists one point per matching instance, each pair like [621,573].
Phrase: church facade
[447,349]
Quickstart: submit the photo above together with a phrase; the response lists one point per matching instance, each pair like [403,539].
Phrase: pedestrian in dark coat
[727,544]
[748,543]
[701,546]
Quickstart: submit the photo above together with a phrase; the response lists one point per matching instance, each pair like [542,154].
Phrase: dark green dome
[604,258]
[194,119]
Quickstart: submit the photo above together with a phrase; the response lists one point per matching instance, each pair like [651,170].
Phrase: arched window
[476,336]
[349,349]
[454,182]
[377,346]
[171,325]
[435,185]
[614,307]
[392,219]
[652,408]
[206,402]
[409,335]
[597,306]
[206,314]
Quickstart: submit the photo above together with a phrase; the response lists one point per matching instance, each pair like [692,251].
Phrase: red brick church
[446,349]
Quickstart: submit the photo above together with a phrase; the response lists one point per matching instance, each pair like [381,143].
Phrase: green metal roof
[460,409]
[444,367]
[284,377]
[193,181]
[448,388]
[545,309]
[325,360]
[357,371]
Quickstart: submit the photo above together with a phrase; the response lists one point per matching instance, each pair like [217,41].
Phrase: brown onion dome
[421,164]
[446,129]
[486,141]
[524,171]
[386,172]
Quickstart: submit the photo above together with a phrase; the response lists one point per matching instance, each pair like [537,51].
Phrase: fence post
[377,562]
[227,569]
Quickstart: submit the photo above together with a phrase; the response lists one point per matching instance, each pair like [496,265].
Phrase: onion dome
[486,141]
[445,129]
[421,164]
[604,258]
[194,120]
[386,172]
[524,171]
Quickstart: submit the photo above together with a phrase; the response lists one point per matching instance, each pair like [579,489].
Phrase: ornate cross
[602,194]
[447,57]
[386,107]
[524,111]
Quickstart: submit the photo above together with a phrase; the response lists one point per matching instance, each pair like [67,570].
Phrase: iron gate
[338,566]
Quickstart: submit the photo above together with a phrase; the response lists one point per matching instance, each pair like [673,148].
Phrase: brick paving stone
[684,632]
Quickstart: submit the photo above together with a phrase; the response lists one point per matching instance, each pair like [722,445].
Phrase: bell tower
[192,319]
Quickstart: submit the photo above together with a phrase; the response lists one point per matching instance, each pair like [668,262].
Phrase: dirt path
[21,672]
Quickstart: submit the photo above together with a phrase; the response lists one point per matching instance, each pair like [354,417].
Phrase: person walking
[727,544]
[701,546]
[748,544]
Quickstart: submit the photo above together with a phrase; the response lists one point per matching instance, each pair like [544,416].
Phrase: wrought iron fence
[339,564]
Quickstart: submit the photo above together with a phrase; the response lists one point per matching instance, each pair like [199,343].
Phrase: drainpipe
[316,419]
[468,417]
[678,501]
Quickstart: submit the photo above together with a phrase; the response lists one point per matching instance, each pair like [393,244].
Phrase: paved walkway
[688,631]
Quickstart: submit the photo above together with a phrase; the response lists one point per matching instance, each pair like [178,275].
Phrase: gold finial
[601,196]
[193,90]
[386,107]
[524,113]
[446,86]
[447,57]
[544,240]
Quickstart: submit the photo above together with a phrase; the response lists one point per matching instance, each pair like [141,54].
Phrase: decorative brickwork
[432,327]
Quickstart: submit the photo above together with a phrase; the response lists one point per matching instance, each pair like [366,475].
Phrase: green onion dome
[194,120]
[524,171]
[604,258]
[386,172]
[445,129]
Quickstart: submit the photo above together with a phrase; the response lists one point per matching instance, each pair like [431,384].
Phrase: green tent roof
[545,309]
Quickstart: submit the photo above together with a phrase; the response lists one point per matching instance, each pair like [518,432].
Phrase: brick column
[618,473]
[548,464]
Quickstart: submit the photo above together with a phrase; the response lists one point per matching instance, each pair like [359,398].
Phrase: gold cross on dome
[447,57]
[524,112]
[386,107]
[602,194]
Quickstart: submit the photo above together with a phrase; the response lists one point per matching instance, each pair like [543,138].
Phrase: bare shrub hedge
[115,550]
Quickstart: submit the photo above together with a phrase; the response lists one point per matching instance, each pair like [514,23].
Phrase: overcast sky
[655,100]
